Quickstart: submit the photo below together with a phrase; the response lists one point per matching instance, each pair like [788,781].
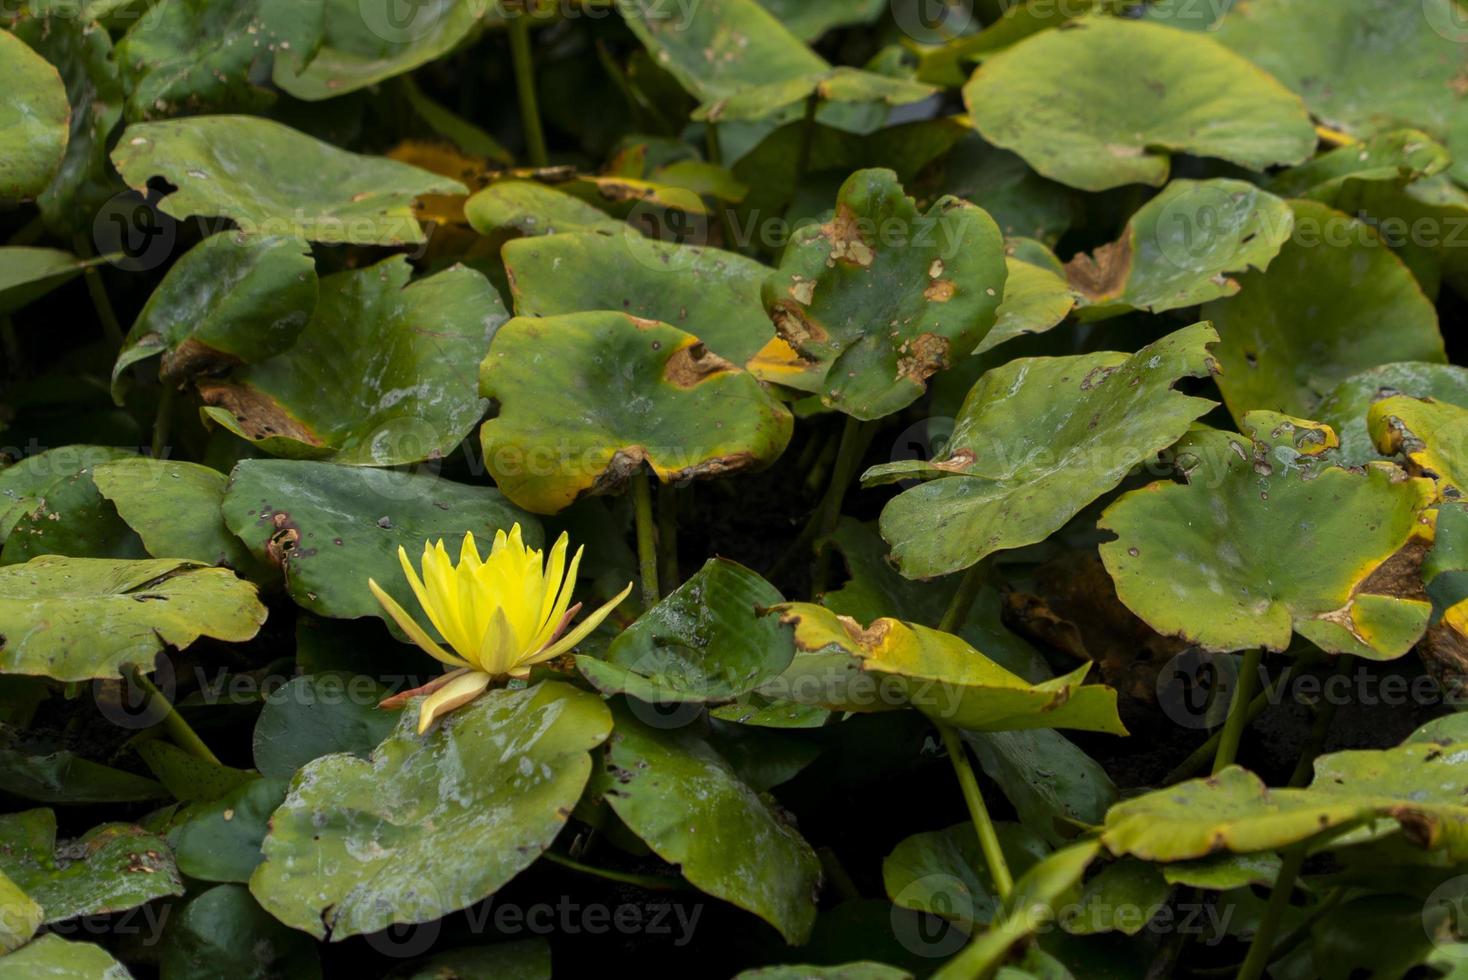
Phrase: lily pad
[329,528]
[882,296]
[360,845]
[1267,540]
[1092,128]
[809,19]
[936,672]
[224,932]
[1054,786]
[382,375]
[1335,302]
[1432,435]
[1037,296]
[708,292]
[586,399]
[55,958]
[50,504]
[27,274]
[840,84]
[110,868]
[219,840]
[1345,409]
[231,299]
[680,796]
[174,507]
[1399,156]
[1122,898]
[36,121]
[1037,440]
[944,873]
[523,959]
[532,208]
[22,916]
[316,715]
[1180,248]
[271,180]
[75,619]
[188,777]
[704,642]
[64,777]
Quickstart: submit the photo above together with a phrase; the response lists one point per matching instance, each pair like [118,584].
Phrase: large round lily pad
[383,374]
[1093,127]
[587,399]
[1267,539]
[431,823]
[75,619]
[35,121]
[330,528]
[272,180]
[224,932]
[882,296]
[1334,302]
[1036,441]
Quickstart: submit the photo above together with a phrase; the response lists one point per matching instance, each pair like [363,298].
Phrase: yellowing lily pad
[431,823]
[35,121]
[1180,248]
[1092,127]
[936,672]
[1334,302]
[1345,409]
[883,296]
[23,916]
[383,374]
[1398,156]
[1037,440]
[270,179]
[53,957]
[1432,435]
[1269,538]
[686,802]
[533,208]
[587,398]
[708,292]
[75,619]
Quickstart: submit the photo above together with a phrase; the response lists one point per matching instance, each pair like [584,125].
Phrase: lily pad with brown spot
[1037,440]
[1432,435]
[383,374]
[50,505]
[883,296]
[587,399]
[1346,408]
[1269,538]
[1093,128]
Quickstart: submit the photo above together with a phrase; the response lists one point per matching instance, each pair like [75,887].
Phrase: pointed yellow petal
[416,584]
[414,631]
[552,578]
[581,632]
[468,552]
[457,692]
[498,652]
[438,579]
[563,602]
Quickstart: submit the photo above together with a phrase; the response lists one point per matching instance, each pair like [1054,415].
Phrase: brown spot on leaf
[191,359]
[922,357]
[259,415]
[940,291]
[843,231]
[794,327]
[694,364]
[1101,275]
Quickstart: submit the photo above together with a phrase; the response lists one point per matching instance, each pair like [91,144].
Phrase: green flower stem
[163,420]
[668,537]
[988,839]
[1203,753]
[647,548]
[524,61]
[1238,711]
[828,515]
[657,883]
[178,729]
[1319,730]
[1262,947]
[98,291]
[963,600]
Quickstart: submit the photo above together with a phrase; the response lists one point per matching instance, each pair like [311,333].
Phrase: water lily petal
[403,697]
[546,635]
[551,579]
[416,584]
[414,631]
[581,632]
[457,692]
[438,578]
[498,652]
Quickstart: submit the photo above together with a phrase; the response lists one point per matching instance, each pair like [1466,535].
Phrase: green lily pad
[271,180]
[1181,247]
[936,672]
[710,293]
[839,84]
[944,873]
[27,274]
[704,642]
[1335,302]
[22,916]
[1037,296]
[224,932]
[360,845]
[522,959]
[55,958]
[1122,898]
[1091,128]
[190,58]
[368,41]
[383,374]
[36,121]
[882,296]
[1037,440]
[317,715]
[1432,435]
[75,619]
[1054,786]
[1345,409]
[619,392]
[1204,561]
[231,299]
[1361,66]
[680,796]
[1419,785]
[64,777]
[219,840]
[533,208]
[862,970]
[51,506]
[1224,871]
[330,528]
[809,19]
[1398,157]
[174,507]
[110,868]
[189,778]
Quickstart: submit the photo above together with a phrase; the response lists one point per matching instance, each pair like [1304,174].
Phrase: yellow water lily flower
[500,615]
